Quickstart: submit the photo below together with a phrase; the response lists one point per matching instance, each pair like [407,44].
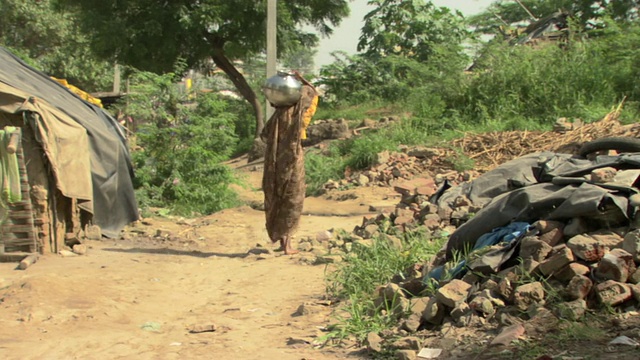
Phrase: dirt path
[139,298]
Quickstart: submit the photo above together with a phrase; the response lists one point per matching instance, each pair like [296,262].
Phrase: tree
[152,35]
[586,13]
[51,42]
[409,28]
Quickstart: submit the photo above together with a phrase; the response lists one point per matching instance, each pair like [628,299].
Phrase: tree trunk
[221,60]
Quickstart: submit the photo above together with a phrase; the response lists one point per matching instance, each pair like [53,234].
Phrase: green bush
[182,145]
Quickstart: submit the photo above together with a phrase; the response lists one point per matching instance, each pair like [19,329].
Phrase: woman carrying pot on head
[283,182]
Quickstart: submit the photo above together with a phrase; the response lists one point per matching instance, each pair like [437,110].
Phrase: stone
[570,271]
[259,251]
[408,343]
[374,342]
[392,292]
[93,232]
[631,244]
[545,226]
[431,221]
[419,305]
[369,231]
[461,314]
[613,293]
[482,305]
[603,175]
[553,237]
[576,226]
[635,290]
[434,312]
[305,246]
[579,287]
[508,335]
[406,354]
[453,293]
[615,265]
[572,310]
[586,248]
[323,236]
[412,323]
[557,261]
[533,248]
[444,212]
[528,294]
[608,238]
[528,266]
[635,277]
[80,249]
[328,259]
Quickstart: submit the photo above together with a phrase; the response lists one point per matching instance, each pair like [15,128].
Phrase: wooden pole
[272,7]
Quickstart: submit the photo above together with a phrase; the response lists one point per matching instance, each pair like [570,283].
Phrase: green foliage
[367,267]
[182,147]
[409,28]
[587,14]
[322,167]
[48,39]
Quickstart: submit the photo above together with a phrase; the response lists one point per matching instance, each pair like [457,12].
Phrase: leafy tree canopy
[52,42]
[587,13]
[152,35]
[409,28]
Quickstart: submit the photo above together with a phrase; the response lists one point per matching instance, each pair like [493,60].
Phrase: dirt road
[143,298]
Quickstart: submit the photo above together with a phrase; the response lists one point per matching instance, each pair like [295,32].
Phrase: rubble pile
[491,149]
[409,162]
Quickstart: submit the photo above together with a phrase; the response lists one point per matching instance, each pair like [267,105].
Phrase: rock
[80,249]
[67,253]
[461,314]
[434,312]
[508,335]
[545,226]
[631,244]
[431,221]
[635,277]
[325,236]
[635,290]
[608,238]
[570,271]
[603,175]
[556,262]
[408,343]
[573,310]
[93,232]
[528,294]
[307,309]
[370,231]
[374,342]
[363,180]
[412,323]
[422,152]
[579,287]
[615,265]
[553,237]
[482,305]
[613,293]
[586,248]
[319,131]
[453,293]
[533,248]
[406,355]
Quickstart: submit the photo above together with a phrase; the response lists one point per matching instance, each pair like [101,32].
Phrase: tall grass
[367,267]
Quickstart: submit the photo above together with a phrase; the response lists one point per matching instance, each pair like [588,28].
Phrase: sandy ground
[143,298]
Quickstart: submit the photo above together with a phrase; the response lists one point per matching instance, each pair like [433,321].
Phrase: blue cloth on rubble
[505,234]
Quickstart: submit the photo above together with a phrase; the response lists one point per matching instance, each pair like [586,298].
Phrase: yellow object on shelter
[84,95]
[306,118]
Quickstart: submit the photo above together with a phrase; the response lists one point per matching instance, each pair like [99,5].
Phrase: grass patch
[355,280]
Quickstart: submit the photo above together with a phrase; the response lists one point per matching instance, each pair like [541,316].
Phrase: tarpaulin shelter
[76,155]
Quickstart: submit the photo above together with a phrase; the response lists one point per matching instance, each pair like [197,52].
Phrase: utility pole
[272,6]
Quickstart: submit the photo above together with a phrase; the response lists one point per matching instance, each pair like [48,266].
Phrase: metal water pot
[282,89]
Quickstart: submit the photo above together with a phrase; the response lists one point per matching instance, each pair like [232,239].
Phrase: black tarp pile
[552,230]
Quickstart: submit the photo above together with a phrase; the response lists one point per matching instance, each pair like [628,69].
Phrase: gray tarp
[525,189]
[111,198]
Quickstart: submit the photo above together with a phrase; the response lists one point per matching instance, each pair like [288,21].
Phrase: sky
[345,37]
